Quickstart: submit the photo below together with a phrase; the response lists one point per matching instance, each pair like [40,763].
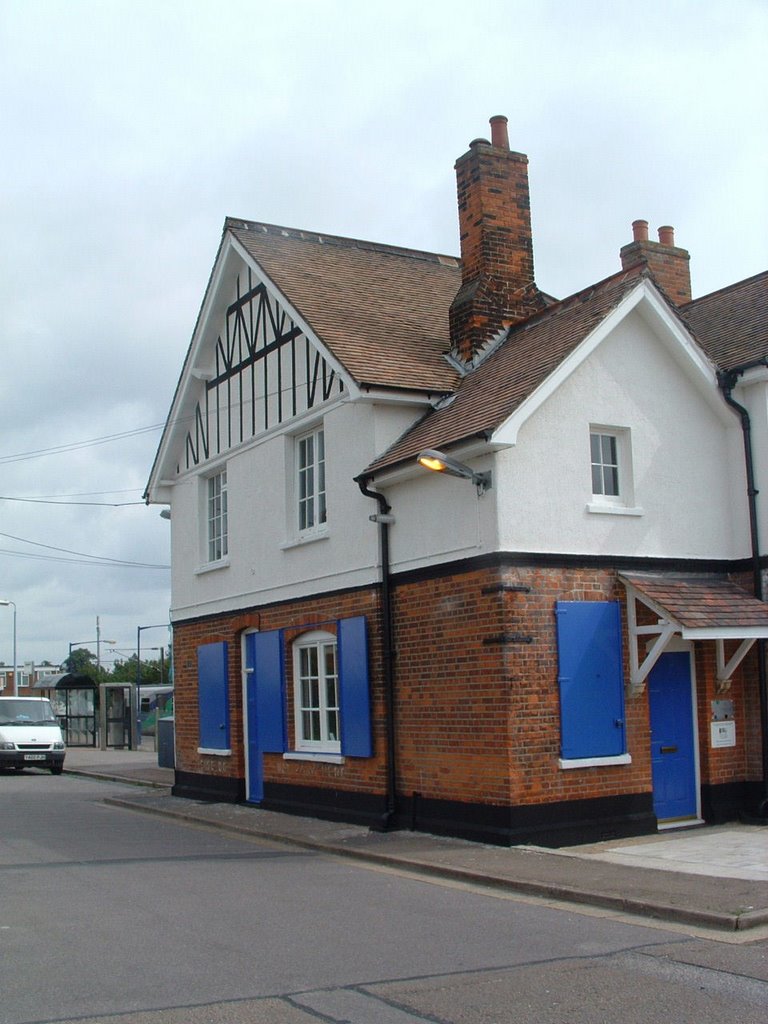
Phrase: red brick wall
[477,719]
[360,774]
[452,694]
[743,761]
[489,713]
[749,725]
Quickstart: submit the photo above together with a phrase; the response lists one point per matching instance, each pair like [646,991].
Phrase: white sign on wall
[723,734]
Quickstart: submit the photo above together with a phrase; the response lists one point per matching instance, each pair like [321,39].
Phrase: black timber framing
[256,328]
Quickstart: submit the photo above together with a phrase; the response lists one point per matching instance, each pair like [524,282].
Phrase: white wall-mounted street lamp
[12,604]
[437,461]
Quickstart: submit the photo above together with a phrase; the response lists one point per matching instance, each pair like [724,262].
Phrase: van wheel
[57,771]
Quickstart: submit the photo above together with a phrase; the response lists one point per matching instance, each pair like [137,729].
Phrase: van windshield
[22,712]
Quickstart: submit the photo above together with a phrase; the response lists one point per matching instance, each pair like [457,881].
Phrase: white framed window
[610,455]
[605,464]
[216,516]
[310,483]
[316,693]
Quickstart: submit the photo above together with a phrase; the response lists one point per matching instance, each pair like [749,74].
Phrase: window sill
[222,563]
[324,757]
[593,762]
[614,510]
[216,751]
[308,538]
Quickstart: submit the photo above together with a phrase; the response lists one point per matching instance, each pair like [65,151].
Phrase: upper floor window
[605,464]
[316,693]
[311,480]
[217,516]
[613,488]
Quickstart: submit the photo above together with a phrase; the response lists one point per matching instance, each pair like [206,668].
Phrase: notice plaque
[723,734]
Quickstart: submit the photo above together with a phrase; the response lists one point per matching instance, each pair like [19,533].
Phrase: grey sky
[131,129]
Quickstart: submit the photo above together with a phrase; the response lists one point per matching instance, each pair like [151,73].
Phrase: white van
[30,736]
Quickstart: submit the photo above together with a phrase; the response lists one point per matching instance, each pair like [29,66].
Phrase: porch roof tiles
[702,602]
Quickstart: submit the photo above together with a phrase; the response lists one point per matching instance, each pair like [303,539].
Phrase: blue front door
[673,749]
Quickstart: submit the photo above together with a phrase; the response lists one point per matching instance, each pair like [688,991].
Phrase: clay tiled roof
[381,310]
[383,313]
[731,325]
[702,602]
[531,352]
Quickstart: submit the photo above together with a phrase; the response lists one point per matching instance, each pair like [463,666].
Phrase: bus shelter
[73,698]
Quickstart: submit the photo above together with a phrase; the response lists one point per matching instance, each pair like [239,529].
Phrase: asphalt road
[106,913]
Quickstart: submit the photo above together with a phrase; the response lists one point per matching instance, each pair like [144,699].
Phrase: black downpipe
[388,820]
[727,382]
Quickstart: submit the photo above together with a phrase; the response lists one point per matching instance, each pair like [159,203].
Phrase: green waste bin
[166,746]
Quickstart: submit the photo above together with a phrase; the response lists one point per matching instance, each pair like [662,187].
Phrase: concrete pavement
[712,877]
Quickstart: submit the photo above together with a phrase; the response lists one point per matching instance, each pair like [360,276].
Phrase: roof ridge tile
[342,241]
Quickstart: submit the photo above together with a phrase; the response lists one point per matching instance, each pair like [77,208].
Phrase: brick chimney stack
[668,264]
[498,287]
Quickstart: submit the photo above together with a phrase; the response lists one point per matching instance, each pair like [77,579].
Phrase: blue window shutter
[354,690]
[213,695]
[591,678]
[269,690]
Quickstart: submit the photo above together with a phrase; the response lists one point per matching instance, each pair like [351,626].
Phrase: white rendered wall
[687,467]
[267,560]
[688,478]
[439,518]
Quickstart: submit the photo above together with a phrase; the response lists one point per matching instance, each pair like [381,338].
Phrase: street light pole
[98,646]
[8,604]
[98,641]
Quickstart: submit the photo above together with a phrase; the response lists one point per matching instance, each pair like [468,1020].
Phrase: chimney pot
[499,134]
[667,264]
[640,230]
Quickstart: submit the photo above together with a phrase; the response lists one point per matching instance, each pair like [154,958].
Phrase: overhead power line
[81,561]
[50,501]
[76,445]
[94,559]
[92,442]
[84,494]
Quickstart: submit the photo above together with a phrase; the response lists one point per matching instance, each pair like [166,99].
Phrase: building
[28,675]
[555,645]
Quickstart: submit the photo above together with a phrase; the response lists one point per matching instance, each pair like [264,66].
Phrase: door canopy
[693,608]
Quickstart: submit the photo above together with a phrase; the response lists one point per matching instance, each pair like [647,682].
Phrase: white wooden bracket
[724,672]
[664,630]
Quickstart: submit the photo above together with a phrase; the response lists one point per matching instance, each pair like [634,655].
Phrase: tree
[80,662]
[153,671]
